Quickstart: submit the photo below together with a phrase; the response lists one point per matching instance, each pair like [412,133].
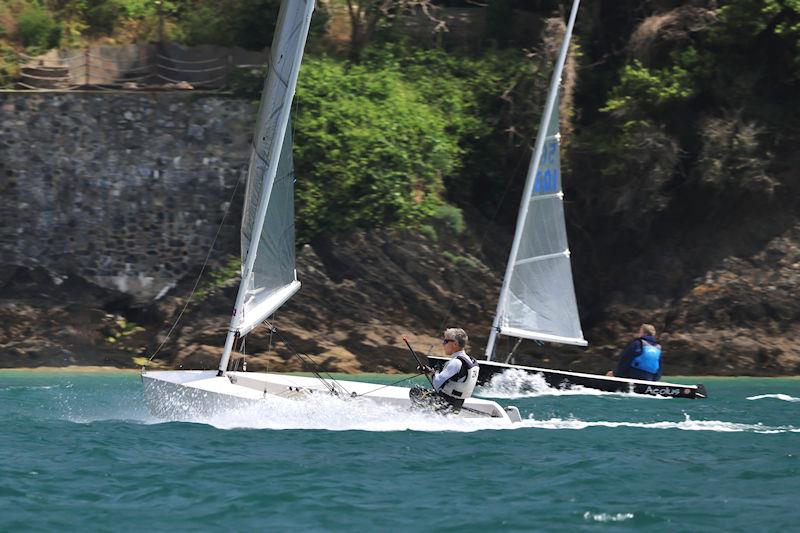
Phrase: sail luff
[283,34]
[529,184]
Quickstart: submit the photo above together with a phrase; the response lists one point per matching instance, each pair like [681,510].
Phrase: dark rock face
[362,293]
[382,286]
[57,320]
[739,317]
[745,313]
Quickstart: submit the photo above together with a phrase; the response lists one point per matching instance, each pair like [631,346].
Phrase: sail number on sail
[547,175]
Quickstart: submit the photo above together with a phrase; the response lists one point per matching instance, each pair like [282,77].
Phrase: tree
[366,15]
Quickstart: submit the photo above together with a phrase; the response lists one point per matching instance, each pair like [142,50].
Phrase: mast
[273,157]
[529,184]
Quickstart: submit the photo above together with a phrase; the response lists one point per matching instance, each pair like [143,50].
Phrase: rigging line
[202,270]
[475,411]
[242,359]
[274,330]
[269,347]
[486,231]
[390,384]
[189,61]
[316,369]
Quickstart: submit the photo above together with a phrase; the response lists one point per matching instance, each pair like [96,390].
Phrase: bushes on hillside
[490,106]
[732,159]
[696,112]
[246,23]
[37,29]
[379,142]
[102,16]
[9,65]
[650,89]
[249,24]
[369,150]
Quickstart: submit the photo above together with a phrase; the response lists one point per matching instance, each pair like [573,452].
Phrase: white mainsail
[267,238]
[272,280]
[537,300]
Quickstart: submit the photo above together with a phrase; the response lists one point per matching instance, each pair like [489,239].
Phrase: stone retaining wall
[124,189]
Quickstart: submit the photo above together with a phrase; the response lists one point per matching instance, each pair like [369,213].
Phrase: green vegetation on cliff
[670,106]
[370,150]
[378,141]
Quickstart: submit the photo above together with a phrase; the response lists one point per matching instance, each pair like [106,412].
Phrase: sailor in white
[458,378]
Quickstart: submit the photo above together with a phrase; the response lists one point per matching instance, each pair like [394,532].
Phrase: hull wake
[562,379]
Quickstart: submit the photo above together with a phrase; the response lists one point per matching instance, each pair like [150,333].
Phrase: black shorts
[434,400]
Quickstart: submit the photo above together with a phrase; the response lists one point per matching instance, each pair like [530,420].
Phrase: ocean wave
[687,424]
[337,414]
[514,383]
[380,418]
[783,397]
[606,517]
[324,412]
[28,387]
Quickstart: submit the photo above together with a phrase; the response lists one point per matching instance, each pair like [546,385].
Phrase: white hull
[188,394]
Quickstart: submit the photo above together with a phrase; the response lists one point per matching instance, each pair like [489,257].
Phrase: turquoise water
[81,452]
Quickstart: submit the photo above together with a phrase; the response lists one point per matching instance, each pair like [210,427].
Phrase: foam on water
[606,517]
[686,425]
[386,418]
[324,412]
[783,397]
[336,414]
[272,412]
[28,387]
[514,383]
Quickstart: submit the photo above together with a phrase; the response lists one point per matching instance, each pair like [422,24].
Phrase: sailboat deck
[257,386]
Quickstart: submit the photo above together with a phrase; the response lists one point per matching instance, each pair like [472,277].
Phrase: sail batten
[556,255]
[547,196]
[524,334]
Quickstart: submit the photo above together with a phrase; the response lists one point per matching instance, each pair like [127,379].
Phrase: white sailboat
[537,300]
[269,278]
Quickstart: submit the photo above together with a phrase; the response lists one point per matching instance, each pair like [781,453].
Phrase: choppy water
[81,451]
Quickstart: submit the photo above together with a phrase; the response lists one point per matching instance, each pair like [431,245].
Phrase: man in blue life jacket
[641,359]
[457,379]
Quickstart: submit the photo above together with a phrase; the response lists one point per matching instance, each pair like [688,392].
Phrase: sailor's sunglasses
[445,341]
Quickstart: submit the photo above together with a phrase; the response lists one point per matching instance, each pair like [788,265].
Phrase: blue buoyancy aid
[650,358]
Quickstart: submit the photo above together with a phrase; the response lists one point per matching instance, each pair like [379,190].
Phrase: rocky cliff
[110,204]
[361,294]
